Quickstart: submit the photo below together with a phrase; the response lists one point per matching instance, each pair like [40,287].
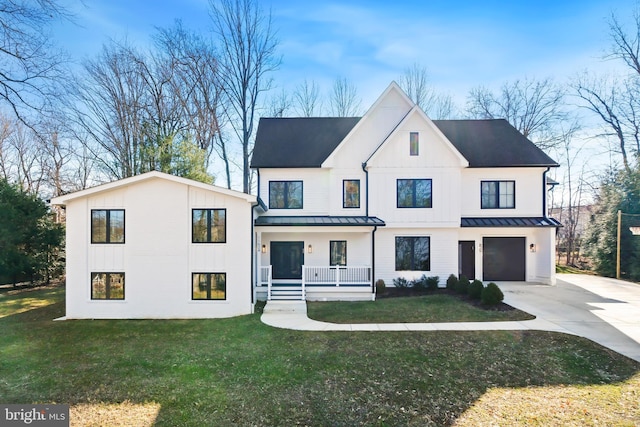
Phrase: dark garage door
[503,258]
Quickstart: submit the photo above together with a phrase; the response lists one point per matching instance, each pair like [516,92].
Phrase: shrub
[452,282]
[462,287]
[432,282]
[475,289]
[492,295]
[401,282]
[420,284]
[381,287]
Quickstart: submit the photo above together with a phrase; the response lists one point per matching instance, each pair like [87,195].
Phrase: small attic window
[414,143]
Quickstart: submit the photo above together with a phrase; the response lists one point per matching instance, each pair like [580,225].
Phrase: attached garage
[503,258]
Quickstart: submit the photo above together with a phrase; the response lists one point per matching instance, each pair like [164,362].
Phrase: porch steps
[283,307]
[286,293]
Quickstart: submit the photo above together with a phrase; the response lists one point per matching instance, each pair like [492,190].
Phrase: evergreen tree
[29,239]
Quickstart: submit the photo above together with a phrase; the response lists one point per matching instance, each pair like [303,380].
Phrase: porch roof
[510,222]
[319,221]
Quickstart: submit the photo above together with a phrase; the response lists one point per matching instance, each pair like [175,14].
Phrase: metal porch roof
[510,222]
[319,221]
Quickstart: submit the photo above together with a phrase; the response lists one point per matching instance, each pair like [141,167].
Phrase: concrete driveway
[603,310]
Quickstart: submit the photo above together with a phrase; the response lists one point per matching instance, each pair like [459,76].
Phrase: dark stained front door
[467,259]
[287,259]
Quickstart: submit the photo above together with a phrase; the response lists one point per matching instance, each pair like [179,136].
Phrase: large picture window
[338,252]
[107,286]
[498,194]
[413,254]
[285,194]
[351,193]
[209,226]
[209,286]
[107,226]
[414,193]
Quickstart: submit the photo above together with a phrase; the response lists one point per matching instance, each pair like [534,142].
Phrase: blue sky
[463,44]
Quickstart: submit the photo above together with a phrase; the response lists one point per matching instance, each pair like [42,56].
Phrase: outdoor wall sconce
[264,249]
[310,249]
[532,247]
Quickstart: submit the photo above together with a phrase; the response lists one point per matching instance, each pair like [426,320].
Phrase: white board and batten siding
[158,256]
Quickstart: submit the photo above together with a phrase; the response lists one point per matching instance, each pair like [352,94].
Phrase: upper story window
[285,194]
[107,226]
[414,193]
[498,194]
[351,193]
[414,143]
[209,226]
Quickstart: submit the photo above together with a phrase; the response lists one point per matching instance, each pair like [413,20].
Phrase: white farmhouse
[342,202]
[158,246]
[396,194]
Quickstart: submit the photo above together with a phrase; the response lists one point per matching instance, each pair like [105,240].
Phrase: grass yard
[241,372]
[416,309]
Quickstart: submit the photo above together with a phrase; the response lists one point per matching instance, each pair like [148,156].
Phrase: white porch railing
[265,279]
[336,275]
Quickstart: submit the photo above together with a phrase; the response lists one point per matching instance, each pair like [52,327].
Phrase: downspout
[544,193]
[366,189]
[373,261]
[254,275]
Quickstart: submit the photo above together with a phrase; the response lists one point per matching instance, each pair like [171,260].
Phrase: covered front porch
[327,258]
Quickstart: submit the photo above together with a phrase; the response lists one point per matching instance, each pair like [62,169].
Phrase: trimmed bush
[420,284]
[475,289]
[492,295]
[432,282]
[452,282]
[381,287]
[401,282]
[462,287]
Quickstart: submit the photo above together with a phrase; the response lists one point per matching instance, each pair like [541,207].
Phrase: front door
[287,259]
[467,259]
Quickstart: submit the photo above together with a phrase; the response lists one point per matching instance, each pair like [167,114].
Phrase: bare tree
[344,98]
[533,107]
[306,99]
[415,82]
[31,68]
[247,56]
[279,104]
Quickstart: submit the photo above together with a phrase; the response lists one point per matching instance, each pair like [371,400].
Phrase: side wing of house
[157,246]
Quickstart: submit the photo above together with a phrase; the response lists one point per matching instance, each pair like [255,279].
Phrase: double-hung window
[107,226]
[285,194]
[209,286]
[414,193]
[413,253]
[498,194]
[209,226]
[351,193]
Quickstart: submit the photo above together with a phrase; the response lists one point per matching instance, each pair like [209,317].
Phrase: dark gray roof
[510,222]
[307,142]
[319,220]
[492,143]
[301,142]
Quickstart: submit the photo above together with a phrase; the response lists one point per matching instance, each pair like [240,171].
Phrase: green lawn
[241,372]
[418,309]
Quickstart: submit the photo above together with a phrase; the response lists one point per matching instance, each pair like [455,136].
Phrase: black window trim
[286,182]
[344,181]
[107,286]
[430,205]
[209,274]
[413,251]
[209,225]
[497,200]
[108,226]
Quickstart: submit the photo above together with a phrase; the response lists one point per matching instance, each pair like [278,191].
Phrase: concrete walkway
[603,310]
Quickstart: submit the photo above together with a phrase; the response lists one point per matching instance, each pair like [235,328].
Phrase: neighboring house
[396,194]
[158,246]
